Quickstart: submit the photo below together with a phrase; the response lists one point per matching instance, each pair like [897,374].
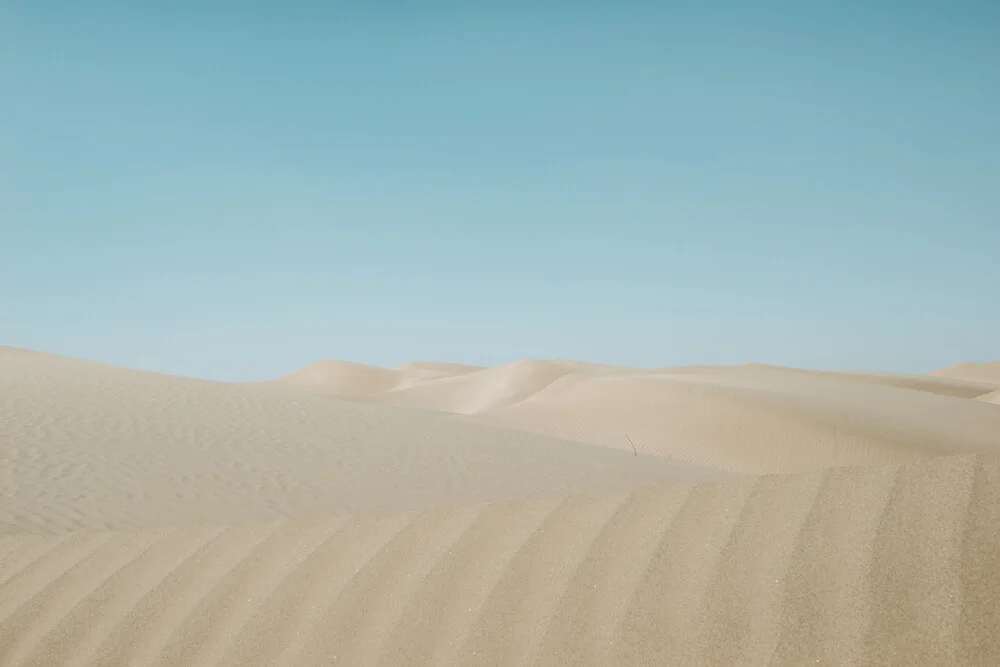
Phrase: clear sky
[232,190]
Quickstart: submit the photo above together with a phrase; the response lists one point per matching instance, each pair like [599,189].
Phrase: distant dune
[751,418]
[436,367]
[992,397]
[445,514]
[344,378]
[988,372]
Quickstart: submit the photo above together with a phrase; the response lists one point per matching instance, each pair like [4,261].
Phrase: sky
[235,190]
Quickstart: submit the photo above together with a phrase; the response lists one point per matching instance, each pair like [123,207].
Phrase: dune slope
[344,378]
[992,397]
[158,520]
[91,446]
[843,567]
[988,372]
[935,384]
[749,419]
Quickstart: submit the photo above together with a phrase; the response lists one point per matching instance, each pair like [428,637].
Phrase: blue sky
[233,191]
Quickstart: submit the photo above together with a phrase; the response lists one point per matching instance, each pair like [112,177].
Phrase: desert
[499,334]
[442,514]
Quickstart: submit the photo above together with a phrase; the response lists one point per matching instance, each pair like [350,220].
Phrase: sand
[988,373]
[445,514]
[992,397]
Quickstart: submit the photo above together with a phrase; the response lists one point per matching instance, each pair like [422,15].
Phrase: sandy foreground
[443,514]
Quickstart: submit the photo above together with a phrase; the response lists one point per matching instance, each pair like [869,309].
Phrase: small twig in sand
[636,451]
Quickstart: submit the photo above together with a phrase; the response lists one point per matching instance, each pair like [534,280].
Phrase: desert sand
[447,514]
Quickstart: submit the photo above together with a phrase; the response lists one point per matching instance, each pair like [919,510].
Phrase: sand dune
[157,520]
[436,367]
[844,567]
[751,418]
[350,380]
[988,372]
[96,447]
[484,389]
[756,419]
[344,378]
[935,384]
[992,397]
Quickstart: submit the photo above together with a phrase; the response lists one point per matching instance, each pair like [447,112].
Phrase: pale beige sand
[437,367]
[156,520]
[749,418]
[992,397]
[965,370]
[95,447]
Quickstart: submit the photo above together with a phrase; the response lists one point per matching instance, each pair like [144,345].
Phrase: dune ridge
[988,372]
[483,389]
[344,378]
[426,515]
[751,418]
[992,397]
[140,448]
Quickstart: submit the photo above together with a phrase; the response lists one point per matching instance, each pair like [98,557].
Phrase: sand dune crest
[988,372]
[992,397]
[751,418]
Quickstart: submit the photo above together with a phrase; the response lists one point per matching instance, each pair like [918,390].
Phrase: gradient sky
[236,190]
